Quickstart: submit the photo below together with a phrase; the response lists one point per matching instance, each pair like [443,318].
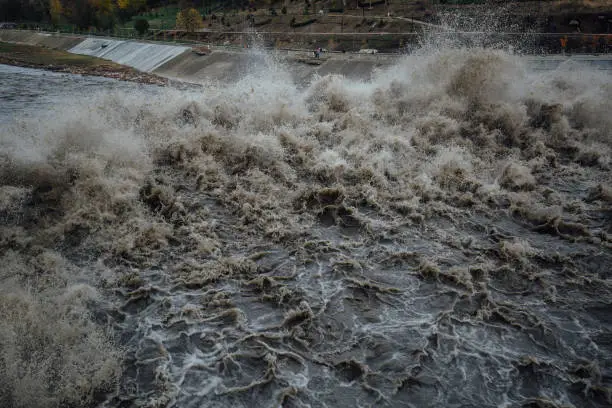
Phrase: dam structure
[176,61]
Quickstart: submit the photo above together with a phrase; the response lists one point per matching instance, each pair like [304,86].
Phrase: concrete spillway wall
[144,57]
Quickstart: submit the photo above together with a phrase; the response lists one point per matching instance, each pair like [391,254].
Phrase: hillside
[392,16]
[340,25]
[388,25]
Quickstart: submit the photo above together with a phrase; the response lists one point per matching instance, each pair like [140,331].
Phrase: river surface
[437,236]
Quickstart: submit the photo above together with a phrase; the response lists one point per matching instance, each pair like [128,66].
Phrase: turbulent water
[26,92]
[438,236]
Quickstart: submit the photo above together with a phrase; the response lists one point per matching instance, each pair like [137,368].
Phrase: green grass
[160,18]
[33,55]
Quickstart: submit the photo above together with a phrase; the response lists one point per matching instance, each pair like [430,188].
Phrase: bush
[284,10]
[141,26]
[295,24]
[374,3]
[262,23]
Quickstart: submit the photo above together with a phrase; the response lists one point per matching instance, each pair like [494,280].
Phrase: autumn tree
[55,11]
[189,20]
[127,8]
[103,7]
[131,5]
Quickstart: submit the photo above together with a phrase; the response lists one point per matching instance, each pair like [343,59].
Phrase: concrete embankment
[176,61]
[225,65]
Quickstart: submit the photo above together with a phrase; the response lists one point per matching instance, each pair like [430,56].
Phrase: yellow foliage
[189,20]
[104,7]
[55,10]
[130,4]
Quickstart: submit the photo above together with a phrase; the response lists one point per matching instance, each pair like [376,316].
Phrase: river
[439,235]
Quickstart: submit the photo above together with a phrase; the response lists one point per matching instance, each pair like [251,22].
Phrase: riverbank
[31,56]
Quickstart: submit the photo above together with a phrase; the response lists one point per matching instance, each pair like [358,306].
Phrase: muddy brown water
[438,235]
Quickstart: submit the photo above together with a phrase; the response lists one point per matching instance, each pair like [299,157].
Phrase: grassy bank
[61,61]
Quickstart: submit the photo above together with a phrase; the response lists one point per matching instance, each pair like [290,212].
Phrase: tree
[141,25]
[127,8]
[55,11]
[102,7]
[80,12]
[104,13]
[189,20]
[131,5]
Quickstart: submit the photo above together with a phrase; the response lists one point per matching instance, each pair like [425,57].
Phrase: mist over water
[437,236]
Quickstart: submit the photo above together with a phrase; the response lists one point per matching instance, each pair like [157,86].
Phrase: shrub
[302,23]
[141,26]
[262,23]
[284,10]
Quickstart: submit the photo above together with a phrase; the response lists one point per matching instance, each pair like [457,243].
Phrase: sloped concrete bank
[142,56]
[226,65]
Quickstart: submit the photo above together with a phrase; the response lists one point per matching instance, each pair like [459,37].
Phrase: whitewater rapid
[436,236]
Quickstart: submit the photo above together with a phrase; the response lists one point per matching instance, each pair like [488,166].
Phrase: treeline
[102,14]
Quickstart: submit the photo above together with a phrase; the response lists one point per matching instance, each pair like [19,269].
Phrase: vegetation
[304,23]
[189,20]
[104,15]
[99,14]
